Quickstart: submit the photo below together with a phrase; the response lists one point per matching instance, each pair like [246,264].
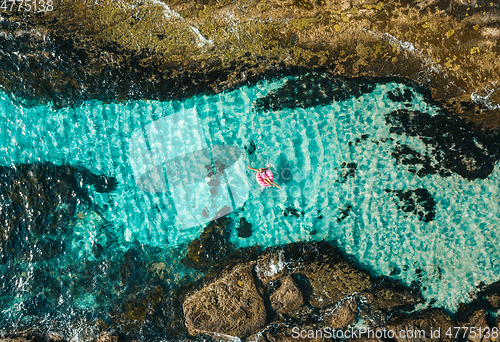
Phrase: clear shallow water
[307,149]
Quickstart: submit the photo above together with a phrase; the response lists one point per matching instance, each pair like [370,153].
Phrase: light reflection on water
[311,151]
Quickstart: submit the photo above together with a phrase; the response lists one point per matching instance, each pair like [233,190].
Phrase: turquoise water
[308,150]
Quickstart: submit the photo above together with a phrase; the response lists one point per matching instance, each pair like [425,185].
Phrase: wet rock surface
[342,314]
[422,323]
[232,305]
[115,51]
[388,294]
[288,297]
[271,265]
[330,277]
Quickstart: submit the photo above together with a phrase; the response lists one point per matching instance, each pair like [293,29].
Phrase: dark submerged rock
[418,202]
[244,228]
[347,170]
[398,95]
[290,211]
[344,213]
[41,199]
[153,305]
[311,90]
[250,148]
[211,248]
[457,146]
[421,165]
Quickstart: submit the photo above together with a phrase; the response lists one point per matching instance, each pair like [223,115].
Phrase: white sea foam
[408,47]
[483,97]
[170,13]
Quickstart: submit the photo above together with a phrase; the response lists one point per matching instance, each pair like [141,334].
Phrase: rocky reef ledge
[163,49]
[303,291]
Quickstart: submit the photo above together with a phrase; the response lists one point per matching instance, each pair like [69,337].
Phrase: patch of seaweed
[418,202]
[313,89]
[457,146]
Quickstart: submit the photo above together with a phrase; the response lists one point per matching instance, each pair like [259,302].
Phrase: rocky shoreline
[128,50]
[303,291]
[114,51]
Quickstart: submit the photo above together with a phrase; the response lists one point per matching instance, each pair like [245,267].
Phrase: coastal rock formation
[34,335]
[211,248]
[330,276]
[421,324]
[333,282]
[287,297]
[161,49]
[38,202]
[478,322]
[342,314]
[388,294]
[271,265]
[231,305]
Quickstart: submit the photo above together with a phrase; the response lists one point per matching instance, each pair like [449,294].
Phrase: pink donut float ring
[266,174]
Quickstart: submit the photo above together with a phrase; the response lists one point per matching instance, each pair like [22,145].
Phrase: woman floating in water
[265,177]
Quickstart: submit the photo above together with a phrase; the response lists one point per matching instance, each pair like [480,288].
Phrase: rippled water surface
[333,162]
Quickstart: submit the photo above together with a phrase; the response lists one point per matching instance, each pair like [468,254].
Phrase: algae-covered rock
[153,305]
[211,248]
[41,199]
[420,324]
[288,297]
[164,49]
[330,276]
[389,294]
[341,314]
[231,305]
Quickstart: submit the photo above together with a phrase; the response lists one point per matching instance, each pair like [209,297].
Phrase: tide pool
[334,163]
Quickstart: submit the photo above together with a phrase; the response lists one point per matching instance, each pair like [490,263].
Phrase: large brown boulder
[287,297]
[389,294]
[341,314]
[231,305]
[271,265]
[425,326]
[330,276]
[477,326]
[334,281]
